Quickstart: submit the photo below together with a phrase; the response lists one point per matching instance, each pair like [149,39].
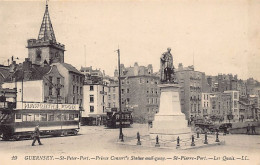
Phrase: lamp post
[119,99]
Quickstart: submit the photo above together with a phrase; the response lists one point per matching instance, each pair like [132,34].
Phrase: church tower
[45,49]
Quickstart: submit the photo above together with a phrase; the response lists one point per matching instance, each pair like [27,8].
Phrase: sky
[217,36]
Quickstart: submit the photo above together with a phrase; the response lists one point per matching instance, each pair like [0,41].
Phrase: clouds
[216,32]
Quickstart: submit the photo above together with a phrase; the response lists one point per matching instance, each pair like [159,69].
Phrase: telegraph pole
[119,92]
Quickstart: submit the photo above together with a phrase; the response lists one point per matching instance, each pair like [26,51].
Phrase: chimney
[12,67]
[180,66]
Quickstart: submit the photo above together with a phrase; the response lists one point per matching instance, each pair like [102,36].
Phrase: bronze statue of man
[167,66]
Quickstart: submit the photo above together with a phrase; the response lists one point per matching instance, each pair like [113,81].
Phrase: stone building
[112,95]
[234,104]
[140,92]
[95,100]
[193,84]
[205,105]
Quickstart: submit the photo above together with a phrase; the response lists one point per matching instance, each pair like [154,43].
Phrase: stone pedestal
[170,122]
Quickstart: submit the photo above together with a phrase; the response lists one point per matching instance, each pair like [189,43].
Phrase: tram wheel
[75,132]
[17,137]
[6,137]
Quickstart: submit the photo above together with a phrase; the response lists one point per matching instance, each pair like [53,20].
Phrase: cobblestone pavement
[98,141]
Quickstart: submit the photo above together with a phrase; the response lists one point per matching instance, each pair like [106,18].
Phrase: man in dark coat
[36,135]
[248,129]
[253,129]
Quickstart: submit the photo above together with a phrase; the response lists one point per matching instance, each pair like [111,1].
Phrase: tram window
[76,115]
[44,117]
[57,117]
[24,117]
[64,117]
[117,116]
[18,116]
[37,117]
[71,116]
[50,117]
[30,117]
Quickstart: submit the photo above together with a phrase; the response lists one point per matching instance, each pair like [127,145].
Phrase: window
[235,104]
[44,117]
[73,78]
[80,103]
[91,98]
[50,117]
[109,97]
[123,91]
[58,91]
[77,78]
[147,90]
[109,105]
[91,87]
[128,100]
[114,104]
[50,78]
[73,89]
[18,116]
[58,80]
[235,95]
[114,89]
[127,90]
[91,108]
[50,90]
[24,117]
[71,116]
[81,90]
[114,96]
[77,90]
[30,117]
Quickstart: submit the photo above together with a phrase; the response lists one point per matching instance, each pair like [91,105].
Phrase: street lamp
[119,92]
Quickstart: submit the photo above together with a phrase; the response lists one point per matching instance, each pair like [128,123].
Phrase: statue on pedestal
[166,67]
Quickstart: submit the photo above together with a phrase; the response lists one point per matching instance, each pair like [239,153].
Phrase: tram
[20,122]
[113,119]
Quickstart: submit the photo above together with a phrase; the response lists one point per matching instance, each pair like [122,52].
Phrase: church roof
[46,31]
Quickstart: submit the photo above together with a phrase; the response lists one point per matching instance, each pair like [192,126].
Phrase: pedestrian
[253,129]
[248,129]
[36,135]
